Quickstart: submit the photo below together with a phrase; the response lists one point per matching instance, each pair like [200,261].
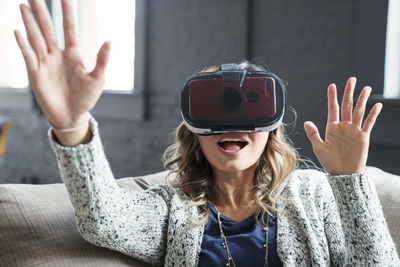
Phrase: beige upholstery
[388,188]
[37,226]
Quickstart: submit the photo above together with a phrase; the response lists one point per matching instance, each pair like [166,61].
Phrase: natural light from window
[98,21]
[392,58]
[12,66]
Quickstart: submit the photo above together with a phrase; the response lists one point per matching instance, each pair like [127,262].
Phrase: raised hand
[64,89]
[345,149]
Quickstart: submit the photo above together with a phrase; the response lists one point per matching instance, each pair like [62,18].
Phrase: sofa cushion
[37,227]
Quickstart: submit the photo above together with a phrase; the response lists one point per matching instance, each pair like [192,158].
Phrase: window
[12,66]
[99,21]
[392,57]
[121,22]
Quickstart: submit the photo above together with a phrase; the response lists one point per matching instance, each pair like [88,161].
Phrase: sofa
[37,223]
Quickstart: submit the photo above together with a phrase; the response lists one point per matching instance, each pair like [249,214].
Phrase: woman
[206,216]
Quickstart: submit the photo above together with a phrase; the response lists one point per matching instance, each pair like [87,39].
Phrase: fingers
[313,134]
[27,51]
[102,61]
[359,110]
[347,101]
[43,18]
[333,106]
[33,32]
[370,120]
[71,34]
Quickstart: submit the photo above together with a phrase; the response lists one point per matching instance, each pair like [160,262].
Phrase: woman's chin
[234,167]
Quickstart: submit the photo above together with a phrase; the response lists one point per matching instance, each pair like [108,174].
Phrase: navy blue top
[245,239]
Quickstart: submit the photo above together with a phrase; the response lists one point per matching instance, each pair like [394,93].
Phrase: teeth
[232,140]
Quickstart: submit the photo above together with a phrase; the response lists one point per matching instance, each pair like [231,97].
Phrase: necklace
[226,247]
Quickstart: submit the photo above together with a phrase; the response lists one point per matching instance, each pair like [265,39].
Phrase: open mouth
[232,145]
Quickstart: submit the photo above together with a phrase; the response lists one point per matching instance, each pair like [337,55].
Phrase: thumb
[102,61]
[313,134]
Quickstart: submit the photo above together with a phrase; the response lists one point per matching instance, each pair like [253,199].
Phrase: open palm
[345,148]
[64,89]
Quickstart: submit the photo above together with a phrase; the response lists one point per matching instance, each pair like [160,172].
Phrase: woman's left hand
[345,149]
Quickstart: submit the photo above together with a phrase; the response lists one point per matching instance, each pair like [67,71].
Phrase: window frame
[112,103]
[387,126]
[392,47]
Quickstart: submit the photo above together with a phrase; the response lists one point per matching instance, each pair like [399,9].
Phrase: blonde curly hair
[193,174]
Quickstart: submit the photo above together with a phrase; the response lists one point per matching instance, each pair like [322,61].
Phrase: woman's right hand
[64,89]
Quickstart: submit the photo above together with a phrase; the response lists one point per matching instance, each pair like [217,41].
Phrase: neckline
[212,207]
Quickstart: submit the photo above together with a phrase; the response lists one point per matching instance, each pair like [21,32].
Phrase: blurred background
[157,44]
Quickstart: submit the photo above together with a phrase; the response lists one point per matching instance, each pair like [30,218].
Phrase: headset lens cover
[233,100]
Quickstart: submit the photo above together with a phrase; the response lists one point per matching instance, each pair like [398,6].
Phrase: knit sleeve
[366,235]
[107,215]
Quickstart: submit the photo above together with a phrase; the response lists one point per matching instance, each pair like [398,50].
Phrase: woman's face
[233,151]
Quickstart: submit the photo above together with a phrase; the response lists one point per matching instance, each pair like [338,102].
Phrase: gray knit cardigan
[324,220]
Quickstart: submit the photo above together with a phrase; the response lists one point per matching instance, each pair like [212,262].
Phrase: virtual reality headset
[232,100]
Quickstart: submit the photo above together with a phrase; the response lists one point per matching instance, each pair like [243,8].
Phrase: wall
[309,44]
